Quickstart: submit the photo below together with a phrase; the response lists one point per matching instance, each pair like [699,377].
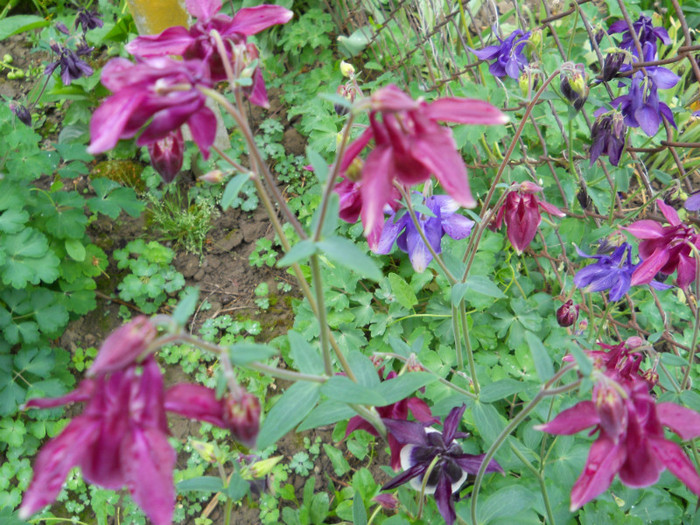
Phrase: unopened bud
[213,177]
[651,376]
[124,346]
[529,187]
[206,450]
[354,171]
[634,342]
[599,36]
[567,314]
[242,415]
[346,69]
[261,468]
[574,87]
[536,37]
[167,155]
[413,365]
[7,58]
[611,66]
[387,501]
[21,113]
[62,28]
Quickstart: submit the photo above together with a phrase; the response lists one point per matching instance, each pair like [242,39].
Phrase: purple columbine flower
[646,33]
[72,66]
[444,220]
[608,136]
[87,20]
[22,113]
[508,55]
[156,94]
[422,445]
[197,43]
[610,272]
[692,203]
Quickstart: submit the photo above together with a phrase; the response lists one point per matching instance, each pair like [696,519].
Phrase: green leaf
[187,305]
[488,421]
[402,291]
[326,413]
[359,513]
[243,353]
[306,357]
[478,284]
[318,163]
[112,198]
[345,253]
[341,388]
[201,484]
[12,432]
[403,386]
[75,249]
[20,23]
[500,389]
[288,412]
[13,220]
[543,362]
[508,501]
[299,252]
[35,361]
[233,187]
[237,487]
[340,464]
[28,259]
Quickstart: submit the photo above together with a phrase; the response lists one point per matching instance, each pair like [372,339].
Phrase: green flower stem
[603,319]
[370,415]
[320,302]
[333,174]
[426,476]
[458,339]
[468,344]
[540,480]
[545,391]
[441,379]
[228,511]
[694,344]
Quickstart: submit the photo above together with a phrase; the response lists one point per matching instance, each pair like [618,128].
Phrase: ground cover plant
[486,296]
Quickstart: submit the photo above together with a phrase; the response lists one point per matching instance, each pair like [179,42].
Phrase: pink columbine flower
[156,94]
[521,211]
[665,249]
[410,145]
[631,441]
[121,438]
[196,42]
[167,155]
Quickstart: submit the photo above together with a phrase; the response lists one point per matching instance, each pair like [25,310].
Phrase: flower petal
[675,460]
[406,475]
[648,269]
[670,213]
[172,41]
[82,393]
[203,9]
[645,229]
[202,125]
[465,111]
[443,498]
[195,402]
[604,460]
[572,420]
[252,20]
[406,432]
[377,178]
[110,119]
[451,423]
[683,421]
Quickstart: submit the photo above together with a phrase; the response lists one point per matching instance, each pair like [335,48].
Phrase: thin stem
[228,511]
[694,344]
[468,344]
[540,480]
[371,415]
[426,476]
[458,340]
[320,303]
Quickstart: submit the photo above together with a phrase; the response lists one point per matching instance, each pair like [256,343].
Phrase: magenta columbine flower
[410,146]
[121,438]
[422,445]
[395,411]
[167,155]
[631,441]
[508,58]
[567,314]
[444,221]
[665,249]
[197,42]
[521,212]
[157,95]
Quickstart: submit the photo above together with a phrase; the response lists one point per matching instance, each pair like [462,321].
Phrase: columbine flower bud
[567,314]
[60,26]
[611,66]
[242,415]
[167,155]
[21,113]
[574,87]
[536,37]
[599,36]
[213,177]
[206,450]
[634,342]
[346,69]
[608,137]
[387,501]
[354,171]
[124,346]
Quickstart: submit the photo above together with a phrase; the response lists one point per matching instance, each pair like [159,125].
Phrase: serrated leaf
[345,253]
[402,291]
[233,187]
[243,353]
[112,198]
[288,412]
[13,220]
[28,259]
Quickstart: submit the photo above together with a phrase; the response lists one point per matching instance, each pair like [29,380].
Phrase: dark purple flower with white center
[444,221]
[72,66]
[157,95]
[422,446]
[508,55]
[197,42]
[610,272]
[608,136]
[87,20]
[647,33]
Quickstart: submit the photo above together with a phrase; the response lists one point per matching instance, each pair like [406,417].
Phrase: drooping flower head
[198,43]
[631,441]
[121,438]
[167,155]
[157,95]
[508,58]
[72,66]
[444,221]
[608,136]
[422,445]
[410,146]
[567,314]
[574,85]
[665,249]
[521,212]
[646,32]
[87,20]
